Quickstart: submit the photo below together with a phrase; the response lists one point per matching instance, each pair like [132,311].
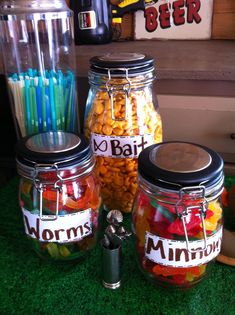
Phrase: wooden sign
[175,19]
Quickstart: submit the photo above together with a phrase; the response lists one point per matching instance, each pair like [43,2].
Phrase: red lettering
[159,245]
[208,250]
[75,231]
[57,232]
[178,253]
[87,227]
[193,8]
[216,245]
[47,235]
[197,252]
[178,13]
[171,254]
[164,17]
[32,230]
[151,15]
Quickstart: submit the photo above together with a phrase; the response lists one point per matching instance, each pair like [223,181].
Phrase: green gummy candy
[53,250]
[64,251]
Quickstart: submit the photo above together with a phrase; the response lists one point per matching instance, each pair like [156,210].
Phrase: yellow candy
[142,118]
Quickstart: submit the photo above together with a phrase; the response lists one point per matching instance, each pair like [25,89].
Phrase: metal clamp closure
[40,186]
[126,87]
[200,207]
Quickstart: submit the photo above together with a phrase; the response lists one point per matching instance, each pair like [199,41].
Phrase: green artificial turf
[29,285]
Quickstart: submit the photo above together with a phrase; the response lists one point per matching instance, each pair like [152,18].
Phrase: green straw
[50,99]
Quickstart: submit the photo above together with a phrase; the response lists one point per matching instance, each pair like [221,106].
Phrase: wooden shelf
[183,67]
[183,60]
[205,68]
[175,60]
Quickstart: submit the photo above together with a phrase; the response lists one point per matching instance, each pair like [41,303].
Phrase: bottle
[39,61]
[177,214]
[59,194]
[92,21]
[121,119]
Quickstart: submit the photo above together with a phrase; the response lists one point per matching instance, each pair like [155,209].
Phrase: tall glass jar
[59,194]
[177,214]
[121,120]
[38,55]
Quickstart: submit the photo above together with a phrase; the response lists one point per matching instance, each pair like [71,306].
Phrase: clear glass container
[59,194]
[177,213]
[122,118]
[38,55]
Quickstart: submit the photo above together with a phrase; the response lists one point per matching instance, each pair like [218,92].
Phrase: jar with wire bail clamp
[122,118]
[59,194]
[177,213]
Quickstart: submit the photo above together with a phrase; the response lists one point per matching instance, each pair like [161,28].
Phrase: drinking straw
[57,106]
[69,101]
[15,87]
[33,107]
[66,102]
[61,97]
[52,103]
[72,110]
[48,112]
[39,103]
[44,102]
[27,104]
[44,118]
[20,98]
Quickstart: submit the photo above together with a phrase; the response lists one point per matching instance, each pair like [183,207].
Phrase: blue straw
[44,116]
[48,111]
[39,104]
[52,103]
[48,102]
[27,103]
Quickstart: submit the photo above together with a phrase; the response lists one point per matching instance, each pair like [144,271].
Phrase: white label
[175,254]
[66,228]
[173,19]
[120,147]
[87,20]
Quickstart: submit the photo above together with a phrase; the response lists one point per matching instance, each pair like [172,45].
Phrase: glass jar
[121,120]
[38,55]
[177,213]
[58,194]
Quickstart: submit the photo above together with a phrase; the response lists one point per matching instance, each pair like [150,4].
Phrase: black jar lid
[118,62]
[172,165]
[53,147]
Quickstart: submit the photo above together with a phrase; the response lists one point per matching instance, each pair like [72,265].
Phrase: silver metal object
[114,235]
[111,263]
[53,142]
[39,185]
[180,157]
[200,207]
[125,87]
[114,217]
